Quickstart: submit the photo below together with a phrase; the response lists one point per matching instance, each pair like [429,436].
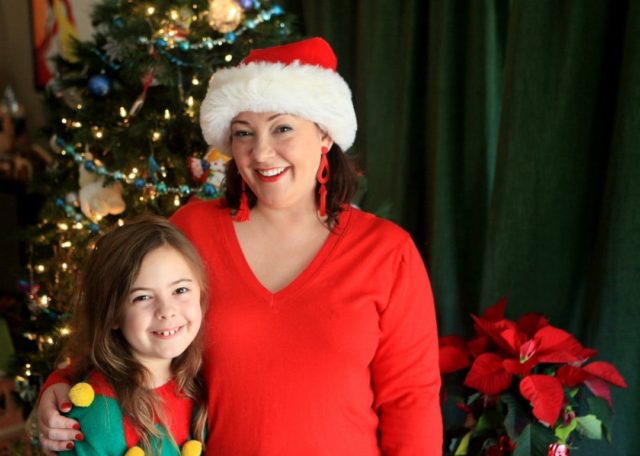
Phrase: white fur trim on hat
[311,92]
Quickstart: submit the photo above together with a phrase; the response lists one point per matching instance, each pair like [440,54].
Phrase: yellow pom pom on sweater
[82,394]
[134,451]
[191,448]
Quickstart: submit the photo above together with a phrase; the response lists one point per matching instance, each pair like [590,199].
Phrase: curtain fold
[505,137]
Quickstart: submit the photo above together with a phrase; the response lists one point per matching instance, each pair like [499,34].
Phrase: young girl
[136,344]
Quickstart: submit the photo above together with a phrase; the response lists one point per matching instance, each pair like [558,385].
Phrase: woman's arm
[405,372]
[56,432]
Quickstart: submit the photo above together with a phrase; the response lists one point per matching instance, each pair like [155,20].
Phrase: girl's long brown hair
[104,287]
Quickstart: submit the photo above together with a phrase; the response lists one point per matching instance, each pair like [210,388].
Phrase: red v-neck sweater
[342,361]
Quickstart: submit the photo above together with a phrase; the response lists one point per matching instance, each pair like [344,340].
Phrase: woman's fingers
[57,432]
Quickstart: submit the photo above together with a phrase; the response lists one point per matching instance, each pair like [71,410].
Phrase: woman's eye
[241,134]
[283,128]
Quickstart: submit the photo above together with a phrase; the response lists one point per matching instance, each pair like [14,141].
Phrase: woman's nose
[262,149]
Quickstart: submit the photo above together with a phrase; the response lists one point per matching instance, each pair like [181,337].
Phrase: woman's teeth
[270,172]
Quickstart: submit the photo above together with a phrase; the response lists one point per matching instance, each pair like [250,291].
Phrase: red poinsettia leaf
[453,341]
[496,311]
[571,376]
[478,345]
[495,330]
[487,375]
[587,353]
[557,346]
[453,359]
[531,323]
[546,395]
[599,388]
[607,372]
[515,367]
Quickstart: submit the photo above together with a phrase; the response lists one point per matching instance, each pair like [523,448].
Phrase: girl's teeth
[270,172]
[168,333]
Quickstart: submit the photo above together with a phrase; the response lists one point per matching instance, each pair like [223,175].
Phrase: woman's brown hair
[341,187]
[106,279]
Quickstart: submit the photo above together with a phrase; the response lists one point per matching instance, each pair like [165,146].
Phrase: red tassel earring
[323,177]
[242,214]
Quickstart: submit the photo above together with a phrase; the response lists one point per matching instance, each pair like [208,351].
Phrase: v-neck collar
[250,280]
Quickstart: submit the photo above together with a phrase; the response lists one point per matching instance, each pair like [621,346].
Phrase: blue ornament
[118,175]
[68,148]
[118,22]
[184,45]
[101,170]
[161,43]
[139,183]
[94,228]
[90,165]
[99,85]
[277,10]
[209,190]
[230,37]
[161,187]
[246,4]
[78,158]
[185,190]
[60,202]
[250,24]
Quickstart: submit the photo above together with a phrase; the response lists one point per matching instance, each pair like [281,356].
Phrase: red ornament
[558,449]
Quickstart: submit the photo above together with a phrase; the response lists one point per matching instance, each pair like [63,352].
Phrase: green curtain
[505,136]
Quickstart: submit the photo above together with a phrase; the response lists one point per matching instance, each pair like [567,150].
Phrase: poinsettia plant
[523,388]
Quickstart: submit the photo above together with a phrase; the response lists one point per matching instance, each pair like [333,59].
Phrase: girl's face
[278,156]
[162,313]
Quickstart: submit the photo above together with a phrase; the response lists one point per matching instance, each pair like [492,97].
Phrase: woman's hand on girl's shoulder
[56,432]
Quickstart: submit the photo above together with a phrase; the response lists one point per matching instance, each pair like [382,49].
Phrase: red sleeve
[405,373]
[57,376]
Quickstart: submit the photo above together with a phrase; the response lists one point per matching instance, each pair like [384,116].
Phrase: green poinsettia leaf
[590,426]
[463,448]
[490,419]
[600,408]
[516,418]
[534,441]
[563,432]
[607,434]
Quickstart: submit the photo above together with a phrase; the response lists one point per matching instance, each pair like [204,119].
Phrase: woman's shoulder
[199,213]
[361,223]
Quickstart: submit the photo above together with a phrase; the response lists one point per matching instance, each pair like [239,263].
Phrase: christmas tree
[124,130]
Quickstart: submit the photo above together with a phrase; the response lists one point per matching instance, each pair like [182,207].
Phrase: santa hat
[299,78]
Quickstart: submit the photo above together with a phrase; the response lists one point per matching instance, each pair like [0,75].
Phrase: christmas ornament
[183,17]
[96,199]
[99,85]
[71,97]
[246,4]
[218,168]
[558,449]
[117,50]
[198,168]
[225,15]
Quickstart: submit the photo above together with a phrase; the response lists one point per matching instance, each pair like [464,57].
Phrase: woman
[321,333]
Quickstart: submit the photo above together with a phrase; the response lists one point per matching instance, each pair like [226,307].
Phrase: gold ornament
[225,15]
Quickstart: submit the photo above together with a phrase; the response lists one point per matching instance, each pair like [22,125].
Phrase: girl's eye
[181,290]
[141,298]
